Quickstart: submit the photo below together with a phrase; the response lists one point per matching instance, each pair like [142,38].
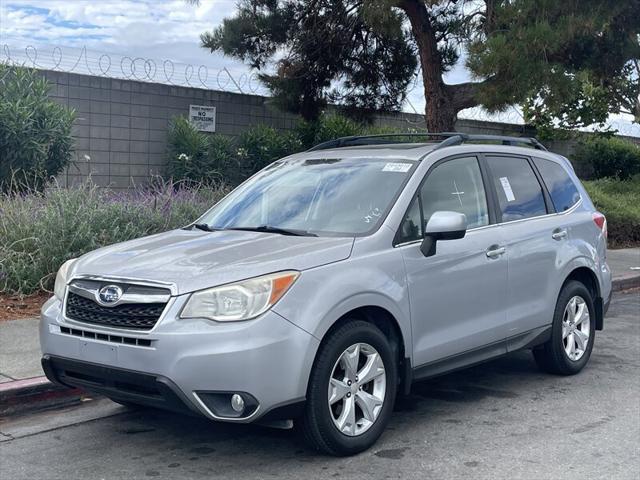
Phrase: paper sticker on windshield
[397,167]
[506,186]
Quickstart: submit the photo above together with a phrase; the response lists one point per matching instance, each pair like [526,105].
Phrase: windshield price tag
[397,167]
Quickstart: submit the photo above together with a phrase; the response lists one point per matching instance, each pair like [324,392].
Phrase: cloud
[125,23]
[152,29]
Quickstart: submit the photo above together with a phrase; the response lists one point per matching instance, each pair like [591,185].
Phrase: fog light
[229,404]
[237,403]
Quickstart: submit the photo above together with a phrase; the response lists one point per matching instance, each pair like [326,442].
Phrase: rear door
[457,296]
[532,234]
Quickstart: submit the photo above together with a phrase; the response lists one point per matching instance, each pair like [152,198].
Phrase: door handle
[559,234]
[495,251]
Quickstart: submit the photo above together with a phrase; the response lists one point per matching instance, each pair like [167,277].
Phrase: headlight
[61,279]
[239,301]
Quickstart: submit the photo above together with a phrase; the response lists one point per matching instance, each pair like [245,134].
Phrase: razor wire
[127,67]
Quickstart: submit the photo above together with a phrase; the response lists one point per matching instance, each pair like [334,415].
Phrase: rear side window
[519,192]
[563,191]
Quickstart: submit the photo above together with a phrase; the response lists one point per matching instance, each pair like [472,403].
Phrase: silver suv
[323,286]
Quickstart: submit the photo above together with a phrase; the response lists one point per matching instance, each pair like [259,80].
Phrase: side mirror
[442,225]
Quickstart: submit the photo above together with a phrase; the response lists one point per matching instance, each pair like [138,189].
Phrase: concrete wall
[121,126]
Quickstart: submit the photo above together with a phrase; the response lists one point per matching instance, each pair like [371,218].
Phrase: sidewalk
[20,349]
[625,266]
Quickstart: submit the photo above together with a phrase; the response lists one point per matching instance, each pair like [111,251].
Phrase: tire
[553,356]
[319,423]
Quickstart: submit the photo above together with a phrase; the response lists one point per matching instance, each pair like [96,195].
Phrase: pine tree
[568,63]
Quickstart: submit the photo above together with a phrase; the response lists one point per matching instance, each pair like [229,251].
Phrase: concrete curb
[21,396]
[625,282]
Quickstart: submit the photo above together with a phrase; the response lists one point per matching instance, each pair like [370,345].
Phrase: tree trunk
[443,102]
[440,115]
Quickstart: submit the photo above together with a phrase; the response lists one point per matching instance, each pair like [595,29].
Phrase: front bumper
[177,363]
[118,384]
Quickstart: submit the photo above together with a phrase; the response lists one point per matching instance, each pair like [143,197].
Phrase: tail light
[601,222]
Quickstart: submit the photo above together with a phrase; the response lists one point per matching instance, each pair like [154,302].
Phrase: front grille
[141,316]
[140,342]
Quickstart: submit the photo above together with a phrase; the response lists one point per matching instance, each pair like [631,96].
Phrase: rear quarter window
[563,191]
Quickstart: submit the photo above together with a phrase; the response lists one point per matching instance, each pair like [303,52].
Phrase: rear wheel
[351,391]
[573,331]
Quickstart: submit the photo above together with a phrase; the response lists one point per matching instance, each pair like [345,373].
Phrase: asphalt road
[503,419]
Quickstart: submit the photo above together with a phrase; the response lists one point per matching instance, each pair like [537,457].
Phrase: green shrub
[39,231]
[608,157]
[211,158]
[619,201]
[35,132]
[198,157]
[261,145]
[335,126]
[332,126]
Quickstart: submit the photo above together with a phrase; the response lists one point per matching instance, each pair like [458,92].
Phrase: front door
[458,295]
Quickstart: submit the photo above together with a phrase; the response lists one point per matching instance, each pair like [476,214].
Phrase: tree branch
[465,95]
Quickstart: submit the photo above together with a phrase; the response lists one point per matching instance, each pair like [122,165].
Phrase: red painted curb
[36,393]
[24,383]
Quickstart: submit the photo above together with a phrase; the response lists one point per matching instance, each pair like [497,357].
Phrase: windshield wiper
[270,229]
[204,227]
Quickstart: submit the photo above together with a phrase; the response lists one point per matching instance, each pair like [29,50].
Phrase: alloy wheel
[357,388]
[576,328]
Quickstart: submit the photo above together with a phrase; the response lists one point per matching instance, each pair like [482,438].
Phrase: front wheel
[572,333]
[351,391]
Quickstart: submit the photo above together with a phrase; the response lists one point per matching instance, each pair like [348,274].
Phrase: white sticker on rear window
[397,167]
[506,186]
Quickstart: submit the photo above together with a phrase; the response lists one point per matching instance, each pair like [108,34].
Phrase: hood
[194,260]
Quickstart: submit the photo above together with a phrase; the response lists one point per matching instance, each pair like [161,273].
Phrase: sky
[159,30]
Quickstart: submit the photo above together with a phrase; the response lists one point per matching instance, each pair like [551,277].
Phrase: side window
[519,192]
[456,185]
[411,228]
[563,191]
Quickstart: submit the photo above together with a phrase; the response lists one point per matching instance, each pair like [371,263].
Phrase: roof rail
[450,139]
[357,140]
[503,139]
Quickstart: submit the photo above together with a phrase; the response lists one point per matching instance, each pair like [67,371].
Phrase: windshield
[321,196]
